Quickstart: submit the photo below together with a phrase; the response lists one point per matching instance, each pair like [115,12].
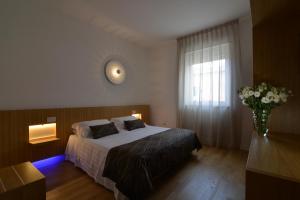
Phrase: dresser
[273,167]
[22,182]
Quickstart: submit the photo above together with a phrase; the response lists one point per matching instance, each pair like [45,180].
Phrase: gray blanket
[135,165]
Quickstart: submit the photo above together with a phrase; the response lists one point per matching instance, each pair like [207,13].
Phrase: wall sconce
[115,72]
[136,115]
[42,133]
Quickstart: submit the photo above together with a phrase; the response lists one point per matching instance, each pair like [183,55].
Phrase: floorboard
[210,174]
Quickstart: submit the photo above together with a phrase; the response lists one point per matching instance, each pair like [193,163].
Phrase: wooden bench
[22,181]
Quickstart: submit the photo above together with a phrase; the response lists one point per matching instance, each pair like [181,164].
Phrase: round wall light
[115,72]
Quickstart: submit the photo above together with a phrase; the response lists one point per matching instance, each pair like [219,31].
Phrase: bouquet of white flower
[262,99]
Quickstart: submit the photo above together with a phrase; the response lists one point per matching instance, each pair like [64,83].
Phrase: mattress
[90,154]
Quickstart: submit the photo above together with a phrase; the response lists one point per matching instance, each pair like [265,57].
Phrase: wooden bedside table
[22,181]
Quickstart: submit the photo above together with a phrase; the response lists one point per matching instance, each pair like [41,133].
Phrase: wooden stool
[22,181]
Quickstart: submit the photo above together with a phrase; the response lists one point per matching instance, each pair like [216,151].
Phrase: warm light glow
[42,131]
[137,115]
[115,72]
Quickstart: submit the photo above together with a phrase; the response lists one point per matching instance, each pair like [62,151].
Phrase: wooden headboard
[14,132]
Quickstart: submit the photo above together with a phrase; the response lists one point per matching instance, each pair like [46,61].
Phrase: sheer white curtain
[208,83]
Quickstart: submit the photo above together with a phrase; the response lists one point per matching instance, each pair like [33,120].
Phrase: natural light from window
[208,82]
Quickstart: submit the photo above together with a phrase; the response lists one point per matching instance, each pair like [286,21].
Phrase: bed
[128,162]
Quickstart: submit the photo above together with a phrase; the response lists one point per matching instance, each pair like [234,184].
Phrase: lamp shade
[115,72]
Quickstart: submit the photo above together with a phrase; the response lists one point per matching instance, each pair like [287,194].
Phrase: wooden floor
[211,174]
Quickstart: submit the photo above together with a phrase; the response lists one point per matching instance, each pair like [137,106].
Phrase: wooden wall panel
[14,139]
[276,56]
[265,10]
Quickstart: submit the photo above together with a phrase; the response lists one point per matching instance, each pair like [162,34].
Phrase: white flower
[271,98]
[246,94]
[265,100]
[251,93]
[261,88]
[270,94]
[256,94]
[276,98]
[283,96]
[263,84]
[274,90]
[264,94]
[244,103]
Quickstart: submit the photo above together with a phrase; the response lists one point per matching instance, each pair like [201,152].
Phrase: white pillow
[119,121]
[83,128]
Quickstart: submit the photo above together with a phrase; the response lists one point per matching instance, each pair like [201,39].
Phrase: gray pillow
[103,130]
[134,124]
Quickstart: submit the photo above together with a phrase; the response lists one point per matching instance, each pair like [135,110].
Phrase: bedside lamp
[136,115]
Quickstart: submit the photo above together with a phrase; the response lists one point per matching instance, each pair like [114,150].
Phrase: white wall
[163,66]
[164,80]
[51,60]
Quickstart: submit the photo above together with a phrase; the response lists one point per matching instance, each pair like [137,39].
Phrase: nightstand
[22,181]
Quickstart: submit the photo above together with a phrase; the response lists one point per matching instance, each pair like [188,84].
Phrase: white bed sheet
[90,154]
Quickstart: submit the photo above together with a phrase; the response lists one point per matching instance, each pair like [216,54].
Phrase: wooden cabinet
[22,182]
[273,167]
[44,148]
[276,51]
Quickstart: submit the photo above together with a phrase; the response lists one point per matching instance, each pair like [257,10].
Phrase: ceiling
[145,21]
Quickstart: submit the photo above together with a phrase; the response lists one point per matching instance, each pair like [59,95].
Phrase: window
[209,80]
